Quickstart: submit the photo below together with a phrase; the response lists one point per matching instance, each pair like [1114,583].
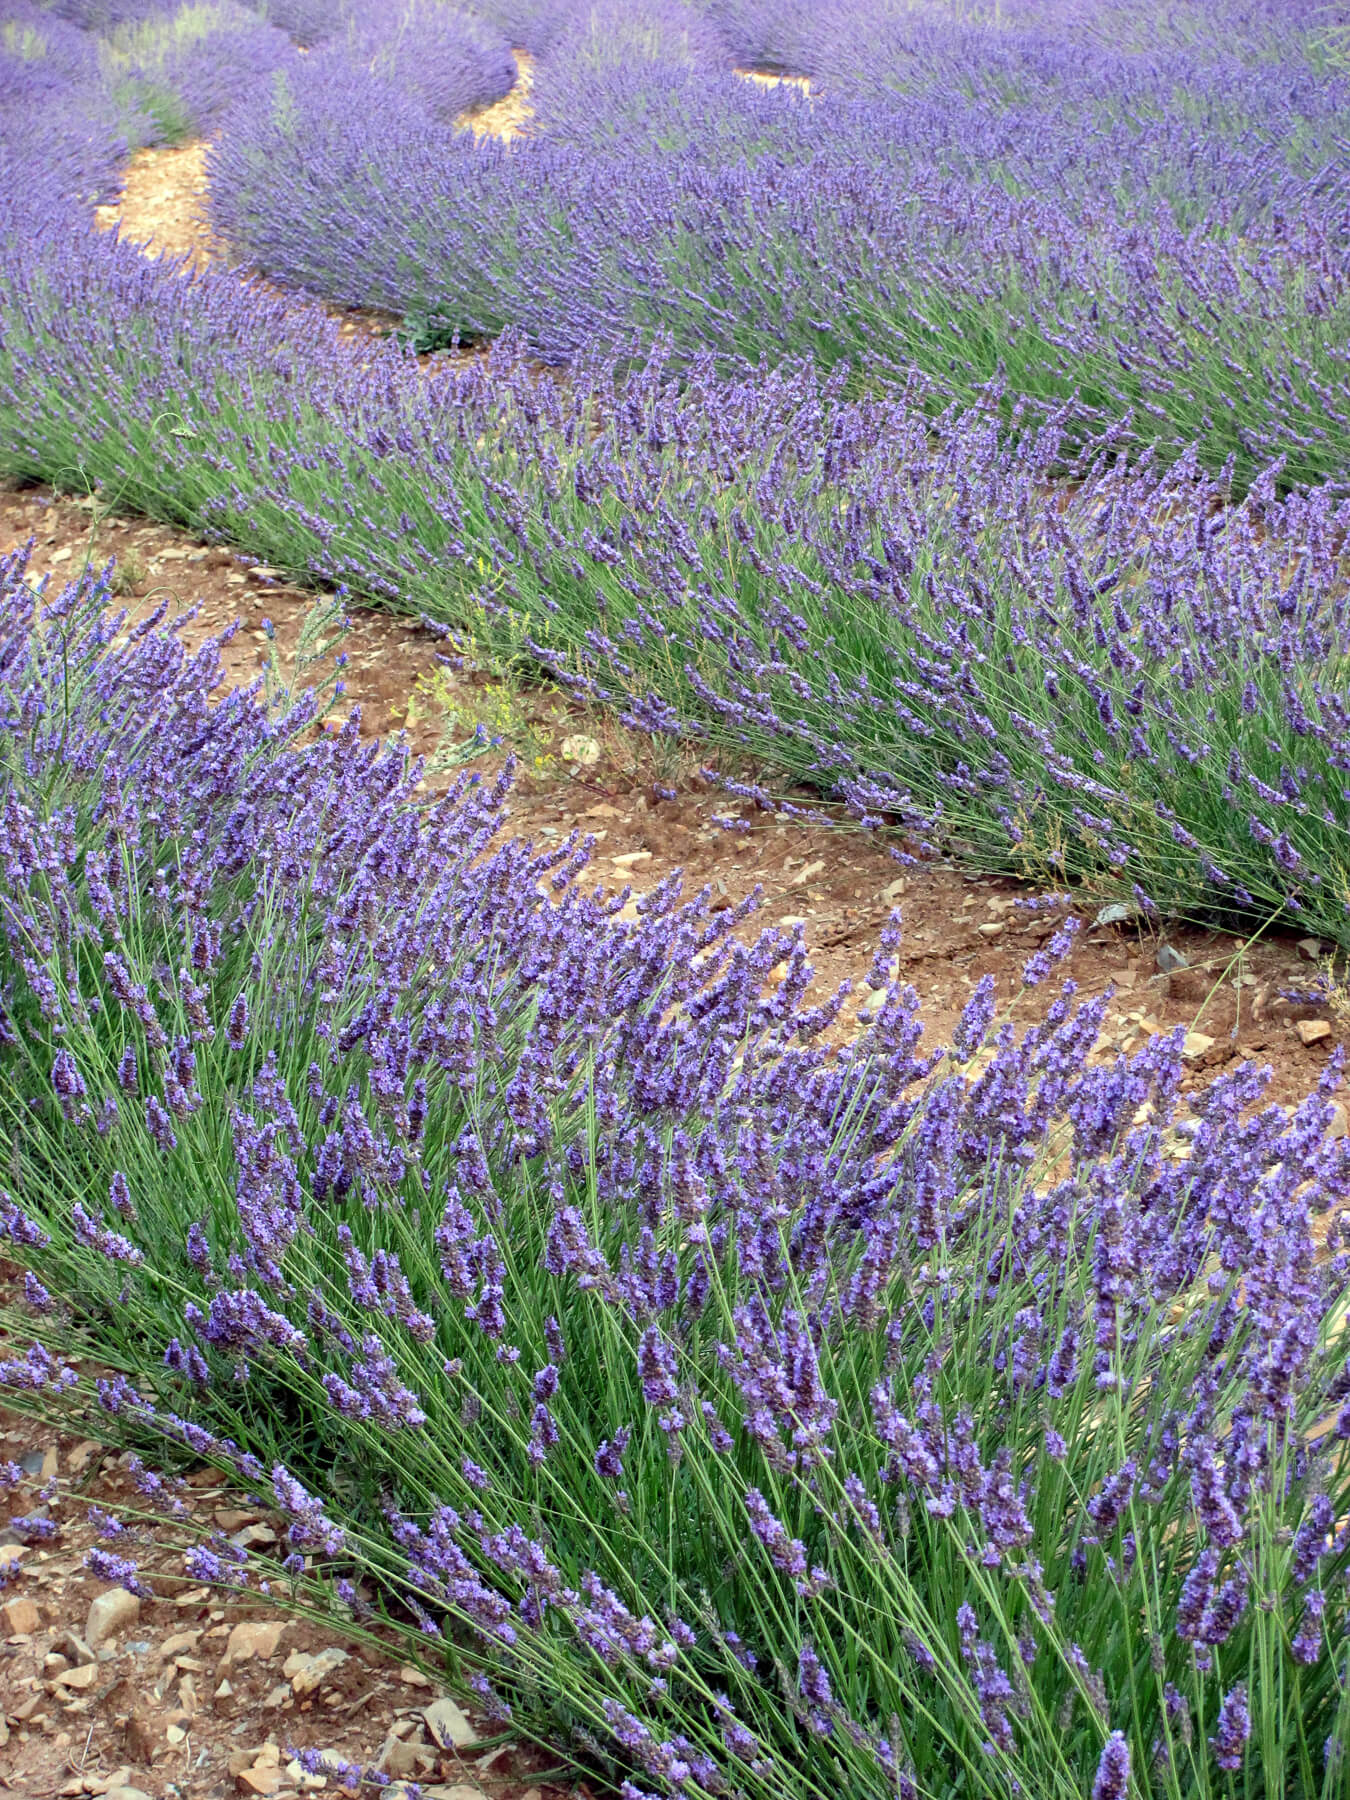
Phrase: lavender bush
[741,1415]
[443,59]
[1013,215]
[181,71]
[1126,682]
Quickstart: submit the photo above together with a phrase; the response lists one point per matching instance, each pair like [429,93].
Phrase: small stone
[259,1638]
[83,1677]
[991,928]
[628,857]
[109,1613]
[399,1756]
[1169,959]
[804,875]
[411,1677]
[1309,947]
[229,1518]
[277,1696]
[125,1793]
[20,1616]
[449,1725]
[177,1642]
[896,888]
[1312,1031]
[1195,1045]
[1340,1125]
[790,920]
[224,1697]
[305,1673]
[174,1734]
[1114,914]
[259,1781]
[582,750]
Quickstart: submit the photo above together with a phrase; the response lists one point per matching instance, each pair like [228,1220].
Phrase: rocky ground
[188,1693]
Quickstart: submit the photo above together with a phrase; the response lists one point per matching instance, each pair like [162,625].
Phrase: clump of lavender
[740,1413]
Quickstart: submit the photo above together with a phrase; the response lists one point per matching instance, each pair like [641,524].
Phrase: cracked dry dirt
[190,1695]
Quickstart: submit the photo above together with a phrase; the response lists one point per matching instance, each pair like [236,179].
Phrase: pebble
[109,1613]
[991,928]
[306,1672]
[20,1616]
[1169,959]
[1195,1045]
[1312,1031]
[253,1637]
[449,1725]
[83,1677]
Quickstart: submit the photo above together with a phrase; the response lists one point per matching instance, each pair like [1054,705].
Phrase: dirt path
[581,770]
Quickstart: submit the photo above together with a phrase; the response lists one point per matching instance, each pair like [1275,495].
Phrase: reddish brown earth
[192,1693]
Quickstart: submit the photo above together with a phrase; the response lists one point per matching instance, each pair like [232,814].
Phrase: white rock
[306,1672]
[110,1612]
[449,1726]
[253,1637]
[581,749]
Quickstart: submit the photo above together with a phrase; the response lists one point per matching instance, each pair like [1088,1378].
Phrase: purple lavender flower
[1232,1729]
[119,1569]
[1112,1781]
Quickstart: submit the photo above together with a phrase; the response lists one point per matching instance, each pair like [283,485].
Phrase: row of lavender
[746,1419]
[1146,217]
[115,75]
[1125,682]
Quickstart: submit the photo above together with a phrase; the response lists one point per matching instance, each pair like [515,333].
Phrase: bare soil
[193,1694]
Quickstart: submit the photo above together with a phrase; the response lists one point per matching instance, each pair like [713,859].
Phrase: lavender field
[738,1394]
